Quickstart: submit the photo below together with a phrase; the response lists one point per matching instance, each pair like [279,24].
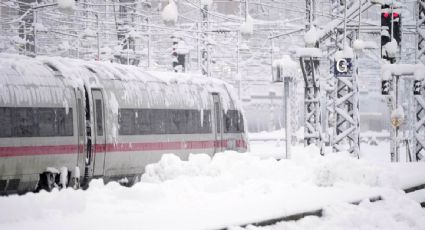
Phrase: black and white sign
[343,67]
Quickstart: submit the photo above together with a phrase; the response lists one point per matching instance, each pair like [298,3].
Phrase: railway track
[319,212]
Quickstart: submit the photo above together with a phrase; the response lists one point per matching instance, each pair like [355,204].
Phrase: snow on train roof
[77,73]
[110,71]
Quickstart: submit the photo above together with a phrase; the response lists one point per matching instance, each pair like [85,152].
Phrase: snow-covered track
[319,212]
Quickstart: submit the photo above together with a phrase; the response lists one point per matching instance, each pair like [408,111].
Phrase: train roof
[57,72]
[67,67]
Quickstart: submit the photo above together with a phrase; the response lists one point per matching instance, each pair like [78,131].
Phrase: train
[64,122]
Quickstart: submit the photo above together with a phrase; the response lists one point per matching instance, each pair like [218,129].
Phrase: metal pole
[97,35]
[237,67]
[287,107]
[246,10]
[392,21]
[205,50]
[25,38]
[397,129]
[360,18]
[271,54]
[34,30]
[345,23]
[149,42]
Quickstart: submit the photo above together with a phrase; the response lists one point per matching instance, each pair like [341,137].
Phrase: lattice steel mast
[419,132]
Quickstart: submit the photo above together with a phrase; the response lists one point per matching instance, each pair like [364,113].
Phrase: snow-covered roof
[130,85]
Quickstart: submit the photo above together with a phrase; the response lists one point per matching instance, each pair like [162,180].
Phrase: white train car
[60,117]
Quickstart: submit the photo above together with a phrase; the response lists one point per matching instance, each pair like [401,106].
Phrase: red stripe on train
[121,147]
[37,150]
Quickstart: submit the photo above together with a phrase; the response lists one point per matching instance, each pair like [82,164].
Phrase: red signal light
[386,15]
[395,15]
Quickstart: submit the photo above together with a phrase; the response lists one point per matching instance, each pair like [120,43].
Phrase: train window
[23,122]
[5,122]
[99,118]
[158,122]
[233,122]
[143,122]
[177,122]
[164,121]
[63,122]
[126,121]
[46,122]
[35,122]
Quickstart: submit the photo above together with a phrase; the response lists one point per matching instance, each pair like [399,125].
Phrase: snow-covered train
[65,121]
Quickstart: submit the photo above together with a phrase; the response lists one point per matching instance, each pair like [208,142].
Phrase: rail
[319,212]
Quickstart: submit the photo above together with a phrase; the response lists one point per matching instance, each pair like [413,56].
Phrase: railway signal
[385,87]
[390,29]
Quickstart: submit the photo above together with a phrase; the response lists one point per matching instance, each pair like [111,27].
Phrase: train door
[218,123]
[99,135]
[80,126]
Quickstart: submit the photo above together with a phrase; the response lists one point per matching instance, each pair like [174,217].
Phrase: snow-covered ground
[233,189]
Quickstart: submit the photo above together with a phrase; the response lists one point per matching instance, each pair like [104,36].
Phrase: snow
[66,6]
[170,13]
[89,33]
[63,176]
[396,211]
[232,188]
[19,40]
[40,27]
[370,45]
[308,52]
[358,45]
[289,67]
[247,27]
[207,3]
[52,170]
[182,47]
[347,52]
[310,38]
[417,71]
[390,48]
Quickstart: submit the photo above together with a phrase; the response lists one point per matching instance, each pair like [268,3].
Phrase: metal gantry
[342,98]
[309,62]
[419,132]
[312,114]
[347,114]
[347,103]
